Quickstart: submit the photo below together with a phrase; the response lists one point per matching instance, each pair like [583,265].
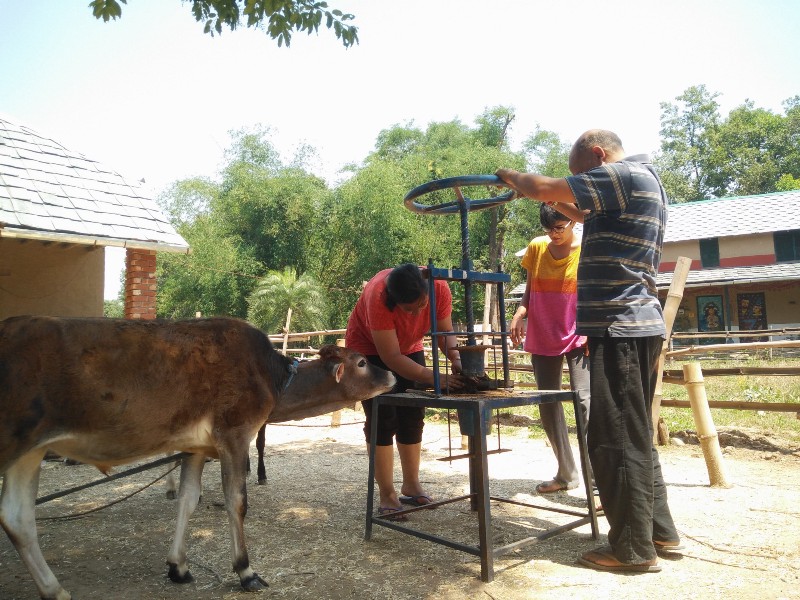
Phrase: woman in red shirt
[387,325]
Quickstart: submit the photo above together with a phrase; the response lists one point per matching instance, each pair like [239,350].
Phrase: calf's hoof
[254,583]
[171,495]
[262,481]
[176,577]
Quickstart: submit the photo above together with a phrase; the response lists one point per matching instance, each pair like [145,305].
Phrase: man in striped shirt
[623,207]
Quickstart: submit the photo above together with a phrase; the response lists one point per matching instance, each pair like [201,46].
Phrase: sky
[153,97]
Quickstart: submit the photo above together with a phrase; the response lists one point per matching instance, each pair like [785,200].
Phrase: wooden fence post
[286,330]
[336,416]
[671,305]
[706,432]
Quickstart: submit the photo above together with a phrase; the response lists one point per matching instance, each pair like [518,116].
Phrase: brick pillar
[140,284]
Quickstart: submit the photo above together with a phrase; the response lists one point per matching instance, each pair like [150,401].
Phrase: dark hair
[549,216]
[404,284]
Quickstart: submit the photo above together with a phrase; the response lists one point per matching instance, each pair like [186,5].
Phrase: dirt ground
[306,528]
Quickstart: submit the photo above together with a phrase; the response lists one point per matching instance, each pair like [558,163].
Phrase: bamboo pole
[706,432]
[731,347]
[286,330]
[790,407]
[673,302]
[305,334]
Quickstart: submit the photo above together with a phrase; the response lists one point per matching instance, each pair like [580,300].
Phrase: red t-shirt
[370,314]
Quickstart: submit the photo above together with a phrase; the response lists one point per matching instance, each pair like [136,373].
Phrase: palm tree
[277,292]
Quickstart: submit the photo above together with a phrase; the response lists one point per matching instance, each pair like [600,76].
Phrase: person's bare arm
[571,211]
[517,330]
[538,187]
[389,351]
[555,191]
[448,343]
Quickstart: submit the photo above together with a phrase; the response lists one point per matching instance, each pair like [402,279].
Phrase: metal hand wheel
[456,183]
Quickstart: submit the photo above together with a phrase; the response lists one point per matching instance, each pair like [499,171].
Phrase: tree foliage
[688,130]
[261,216]
[266,221]
[279,18]
[382,232]
[279,291]
[751,151]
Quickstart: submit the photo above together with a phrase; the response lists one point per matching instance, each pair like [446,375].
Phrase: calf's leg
[233,462]
[262,471]
[188,497]
[170,486]
[17,515]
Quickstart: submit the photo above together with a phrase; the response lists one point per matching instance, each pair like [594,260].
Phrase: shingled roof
[739,215]
[48,192]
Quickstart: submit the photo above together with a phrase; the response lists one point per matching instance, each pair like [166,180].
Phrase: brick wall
[140,284]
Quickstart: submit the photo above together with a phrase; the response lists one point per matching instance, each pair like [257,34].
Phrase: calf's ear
[338,371]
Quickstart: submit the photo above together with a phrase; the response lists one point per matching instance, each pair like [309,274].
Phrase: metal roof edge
[87,240]
[712,282]
[726,198]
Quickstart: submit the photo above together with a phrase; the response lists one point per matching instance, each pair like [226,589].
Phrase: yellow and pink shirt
[553,301]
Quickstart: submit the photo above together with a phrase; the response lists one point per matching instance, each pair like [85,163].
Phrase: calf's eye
[362,362]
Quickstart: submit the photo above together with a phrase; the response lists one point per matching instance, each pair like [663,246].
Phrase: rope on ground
[98,508]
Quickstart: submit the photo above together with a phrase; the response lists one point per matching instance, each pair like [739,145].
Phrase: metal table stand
[479,496]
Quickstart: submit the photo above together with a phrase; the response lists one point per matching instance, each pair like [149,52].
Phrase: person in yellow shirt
[549,304]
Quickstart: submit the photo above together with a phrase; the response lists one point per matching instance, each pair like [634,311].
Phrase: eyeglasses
[557,228]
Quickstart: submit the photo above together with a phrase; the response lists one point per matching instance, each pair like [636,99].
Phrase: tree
[547,153]
[113,309]
[278,17]
[752,151]
[687,130]
[279,291]
[367,228]
[747,153]
[270,209]
[261,216]
[214,279]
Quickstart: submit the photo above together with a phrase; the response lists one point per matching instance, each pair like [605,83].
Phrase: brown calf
[108,392]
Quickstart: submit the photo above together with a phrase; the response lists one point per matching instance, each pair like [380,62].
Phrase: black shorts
[401,422]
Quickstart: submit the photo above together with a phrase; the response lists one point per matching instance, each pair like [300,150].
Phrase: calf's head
[339,378]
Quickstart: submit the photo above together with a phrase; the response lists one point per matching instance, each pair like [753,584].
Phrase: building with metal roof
[745,255]
[58,211]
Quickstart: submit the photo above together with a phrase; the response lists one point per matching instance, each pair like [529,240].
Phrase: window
[709,253]
[787,245]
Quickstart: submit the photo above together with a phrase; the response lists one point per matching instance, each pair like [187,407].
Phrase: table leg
[479,473]
[373,439]
[586,466]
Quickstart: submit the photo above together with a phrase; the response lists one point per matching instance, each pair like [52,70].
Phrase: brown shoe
[603,559]
[668,548]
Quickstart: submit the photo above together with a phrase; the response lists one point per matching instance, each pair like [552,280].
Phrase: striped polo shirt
[621,248]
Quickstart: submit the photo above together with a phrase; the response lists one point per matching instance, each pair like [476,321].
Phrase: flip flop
[387,512]
[668,549]
[549,487]
[619,567]
[415,500]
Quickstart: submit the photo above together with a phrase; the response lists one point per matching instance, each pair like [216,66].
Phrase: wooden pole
[286,330]
[733,347]
[336,416]
[791,407]
[706,432]
[673,302]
